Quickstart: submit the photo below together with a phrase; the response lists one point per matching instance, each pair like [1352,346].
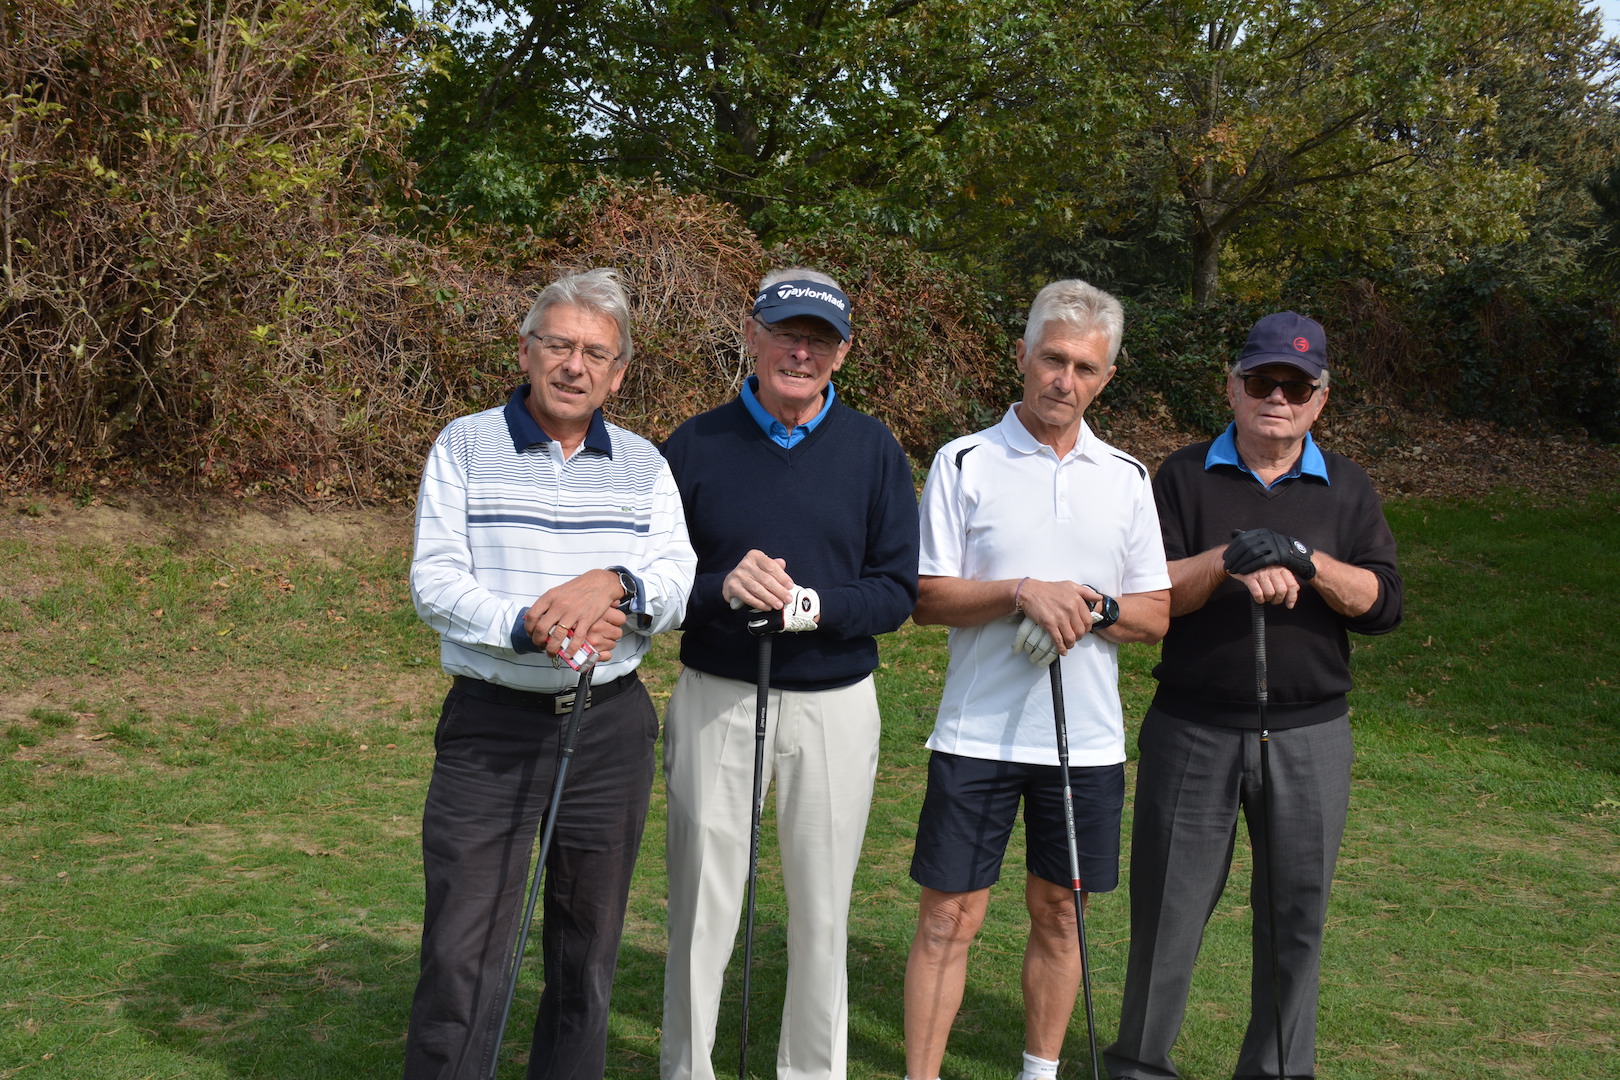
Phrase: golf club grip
[762,685]
[1257,628]
[582,693]
[1054,672]
[1060,721]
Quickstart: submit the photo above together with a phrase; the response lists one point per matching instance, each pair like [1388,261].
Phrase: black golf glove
[799,615]
[1257,549]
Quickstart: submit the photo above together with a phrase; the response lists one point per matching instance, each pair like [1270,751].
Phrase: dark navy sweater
[1206,670]
[840,507]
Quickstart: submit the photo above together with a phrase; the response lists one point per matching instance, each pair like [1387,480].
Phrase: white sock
[1038,1068]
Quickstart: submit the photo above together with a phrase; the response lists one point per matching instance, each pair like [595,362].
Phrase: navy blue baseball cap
[1286,338]
[786,299]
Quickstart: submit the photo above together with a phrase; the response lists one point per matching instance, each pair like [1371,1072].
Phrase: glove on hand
[799,615]
[1033,639]
[1260,548]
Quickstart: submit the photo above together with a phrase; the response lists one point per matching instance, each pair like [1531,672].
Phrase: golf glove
[1033,640]
[1257,549]
[799,615]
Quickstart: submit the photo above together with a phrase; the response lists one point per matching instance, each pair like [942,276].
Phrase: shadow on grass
[338,1011]
[988,1032]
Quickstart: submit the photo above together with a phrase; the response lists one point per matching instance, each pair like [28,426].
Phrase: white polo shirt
[998,504]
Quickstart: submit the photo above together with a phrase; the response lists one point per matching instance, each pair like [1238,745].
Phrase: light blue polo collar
[1224,451]
[773,427]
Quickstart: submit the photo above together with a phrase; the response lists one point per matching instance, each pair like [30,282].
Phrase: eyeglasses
[787,339]
[559,349]
[1295,391]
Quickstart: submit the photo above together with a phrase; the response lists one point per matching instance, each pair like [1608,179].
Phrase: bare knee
[1051,910]
[949,921]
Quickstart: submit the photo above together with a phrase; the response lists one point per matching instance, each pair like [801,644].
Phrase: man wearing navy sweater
[1261,515]
[796,504]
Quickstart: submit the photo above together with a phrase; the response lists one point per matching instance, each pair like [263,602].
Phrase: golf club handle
[1257,629]
[565,754]
[1054,672]
[762,686]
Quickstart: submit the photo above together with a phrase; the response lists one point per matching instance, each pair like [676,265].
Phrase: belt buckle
[563,702]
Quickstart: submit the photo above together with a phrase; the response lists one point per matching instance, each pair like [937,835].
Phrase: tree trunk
[1206,270]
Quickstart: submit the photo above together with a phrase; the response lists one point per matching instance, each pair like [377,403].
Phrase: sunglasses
[1295,391]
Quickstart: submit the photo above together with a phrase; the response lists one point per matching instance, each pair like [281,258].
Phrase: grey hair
[1082,306]
[797,273]
[598,291]
[1232,372]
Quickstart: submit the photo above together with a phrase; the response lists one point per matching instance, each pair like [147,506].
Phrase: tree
[1361,126]
[1043,132]
[934,121]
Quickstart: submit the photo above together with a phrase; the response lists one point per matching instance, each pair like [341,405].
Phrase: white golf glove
[799,615]
[1033,639]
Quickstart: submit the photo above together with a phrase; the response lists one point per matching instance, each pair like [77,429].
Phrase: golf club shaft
[582,691]
[1055,672]
[1257,626]
[762,702]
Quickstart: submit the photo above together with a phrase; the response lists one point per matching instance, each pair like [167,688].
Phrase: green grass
[212,766]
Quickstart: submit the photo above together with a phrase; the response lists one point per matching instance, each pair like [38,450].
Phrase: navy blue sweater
[839,507]
[1206,671]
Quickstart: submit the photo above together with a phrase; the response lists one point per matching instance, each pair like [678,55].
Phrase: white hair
[598,291]
[797,273]
[1077,304]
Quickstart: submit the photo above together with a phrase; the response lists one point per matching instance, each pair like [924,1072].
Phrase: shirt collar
[525,432]
[1224,451]
[1019,438]
[773,427]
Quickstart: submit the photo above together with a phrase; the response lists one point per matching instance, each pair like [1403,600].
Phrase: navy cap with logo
[1286,338]
[786,299]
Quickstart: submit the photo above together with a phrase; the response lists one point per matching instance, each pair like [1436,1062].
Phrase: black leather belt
[558,704]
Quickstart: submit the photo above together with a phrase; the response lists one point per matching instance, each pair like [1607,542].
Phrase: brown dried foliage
[923,358]
[200,289]
[191,250]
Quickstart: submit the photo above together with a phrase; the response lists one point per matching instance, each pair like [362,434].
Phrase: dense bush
[189,240]
[205,280]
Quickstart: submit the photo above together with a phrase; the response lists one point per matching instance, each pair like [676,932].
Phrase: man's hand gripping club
[762,584]
[1074,610]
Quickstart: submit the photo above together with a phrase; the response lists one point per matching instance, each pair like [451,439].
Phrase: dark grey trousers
[1191,781]
[491,783]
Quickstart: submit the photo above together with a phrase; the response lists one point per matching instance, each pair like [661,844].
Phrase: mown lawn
[213,757]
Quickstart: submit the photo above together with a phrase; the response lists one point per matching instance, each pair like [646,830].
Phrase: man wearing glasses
[802,509]
[1260,515]
[539,527]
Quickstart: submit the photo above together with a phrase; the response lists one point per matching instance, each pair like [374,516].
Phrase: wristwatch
[627,582]
[1109,615]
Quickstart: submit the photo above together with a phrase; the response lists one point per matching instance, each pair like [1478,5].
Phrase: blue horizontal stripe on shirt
[558,524]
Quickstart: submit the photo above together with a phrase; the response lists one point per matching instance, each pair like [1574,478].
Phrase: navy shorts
[972,803]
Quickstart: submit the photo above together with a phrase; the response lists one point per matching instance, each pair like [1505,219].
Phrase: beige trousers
[821,748]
